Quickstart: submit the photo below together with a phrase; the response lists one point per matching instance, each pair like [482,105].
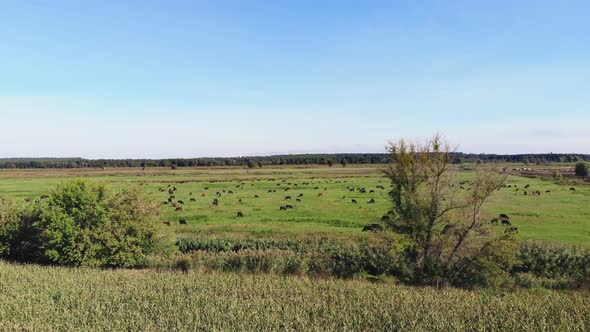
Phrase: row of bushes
[314,257]
[539,264]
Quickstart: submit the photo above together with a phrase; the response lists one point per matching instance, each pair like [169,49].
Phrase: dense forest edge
[278,160]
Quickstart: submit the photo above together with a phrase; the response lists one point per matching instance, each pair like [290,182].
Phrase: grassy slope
[44,298]
[560,216]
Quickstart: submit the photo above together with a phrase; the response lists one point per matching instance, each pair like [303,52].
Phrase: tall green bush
[81,224]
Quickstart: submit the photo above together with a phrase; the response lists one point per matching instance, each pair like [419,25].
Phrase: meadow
[34,298]
[326,207]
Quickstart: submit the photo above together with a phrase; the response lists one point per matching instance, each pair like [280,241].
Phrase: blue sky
[155,79]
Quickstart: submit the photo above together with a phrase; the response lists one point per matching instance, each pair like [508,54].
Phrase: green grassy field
[558,216]
[34,298]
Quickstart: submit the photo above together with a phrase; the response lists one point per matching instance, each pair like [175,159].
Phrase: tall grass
[44,298]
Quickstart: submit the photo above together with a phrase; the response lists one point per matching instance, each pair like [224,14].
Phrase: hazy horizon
[177,79]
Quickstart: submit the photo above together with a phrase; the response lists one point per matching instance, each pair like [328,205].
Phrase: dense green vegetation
[43,298]
[81,224]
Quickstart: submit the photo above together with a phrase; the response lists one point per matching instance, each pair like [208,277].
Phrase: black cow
[572,189]
[372,201]
[240,214]
[373,228]
[506,222]
[494,221]
[511,229]
[182,221]
[354,201]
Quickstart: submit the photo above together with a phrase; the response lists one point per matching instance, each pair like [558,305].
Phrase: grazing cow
[494,221]
[572,189]
[372,201]
[240,214]
[506,222]
[511,229]
[354,201]
[230,192]
[182,221]
[527,186]
[180,202]
[504,216]
[190,194]
[298,200]
[320,194]
[300,195]
[386,219]
[165,202]
[316,188]
[256,196]
[193,200]
[371,191]
[167,223]
[547,191]
[287,198]
[45,197]
[27,199]
[204,195]
[240,201]
[216,202]
[373,228]
[525,193]
[179,208]
[283,208]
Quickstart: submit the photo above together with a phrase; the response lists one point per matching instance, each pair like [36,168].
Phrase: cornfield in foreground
[38,298]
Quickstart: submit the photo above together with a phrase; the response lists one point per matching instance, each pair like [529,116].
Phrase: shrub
[81,224]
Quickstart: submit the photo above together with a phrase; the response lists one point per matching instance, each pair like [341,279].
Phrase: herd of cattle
[286,187]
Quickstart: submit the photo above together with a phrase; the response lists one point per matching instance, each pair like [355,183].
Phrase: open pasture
[310,201]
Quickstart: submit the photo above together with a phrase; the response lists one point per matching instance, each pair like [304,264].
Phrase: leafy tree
[330,162]
[344,162]
[557,175]
[443,222]
[582,170]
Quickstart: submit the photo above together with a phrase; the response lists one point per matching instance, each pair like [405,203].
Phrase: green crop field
[325,207]
[34,298]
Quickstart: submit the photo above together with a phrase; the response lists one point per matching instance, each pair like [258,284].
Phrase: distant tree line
[276,160]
